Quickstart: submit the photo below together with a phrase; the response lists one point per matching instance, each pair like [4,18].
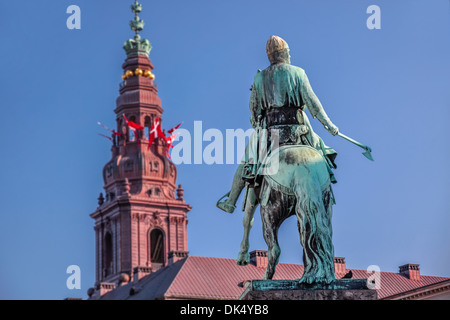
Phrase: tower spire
[140,225]
[137,46]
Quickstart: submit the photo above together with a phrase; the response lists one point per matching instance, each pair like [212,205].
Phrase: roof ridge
[397,273]
[423,287]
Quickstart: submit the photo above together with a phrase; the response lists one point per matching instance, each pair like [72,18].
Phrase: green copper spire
[136,24]
[137,46]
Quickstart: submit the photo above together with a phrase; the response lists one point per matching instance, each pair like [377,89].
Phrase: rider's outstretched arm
[315,107]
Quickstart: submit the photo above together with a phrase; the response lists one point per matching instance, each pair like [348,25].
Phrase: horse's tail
[314,210]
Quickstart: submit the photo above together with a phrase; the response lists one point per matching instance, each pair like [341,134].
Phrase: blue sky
[388,88]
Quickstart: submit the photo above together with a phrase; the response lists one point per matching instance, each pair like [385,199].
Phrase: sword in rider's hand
[367,154]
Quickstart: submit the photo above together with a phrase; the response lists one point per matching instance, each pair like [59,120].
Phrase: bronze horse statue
[300,186]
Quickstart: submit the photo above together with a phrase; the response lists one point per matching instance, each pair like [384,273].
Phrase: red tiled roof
[394,283]
[219,278]
[150,287]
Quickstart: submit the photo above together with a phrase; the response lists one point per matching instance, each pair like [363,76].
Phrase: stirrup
[224,205]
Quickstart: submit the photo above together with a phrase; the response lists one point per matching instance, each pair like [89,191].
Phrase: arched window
[147,126]
[107,254]
[120,129]
[157,247]
[131,135]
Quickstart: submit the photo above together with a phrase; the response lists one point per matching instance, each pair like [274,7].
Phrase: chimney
[259,258]
[410,271]
[140,271]
[175,256]
[105,287]
[339,266]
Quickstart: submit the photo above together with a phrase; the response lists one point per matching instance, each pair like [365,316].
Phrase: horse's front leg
[250,208]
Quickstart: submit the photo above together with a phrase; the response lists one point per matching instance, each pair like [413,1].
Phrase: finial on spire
[137,46]
[136,7]
[137,24]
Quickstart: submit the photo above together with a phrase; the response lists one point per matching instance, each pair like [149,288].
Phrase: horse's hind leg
[250,208]
[313,211]
[271,222]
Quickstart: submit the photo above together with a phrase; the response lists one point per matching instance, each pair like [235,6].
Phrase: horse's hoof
[306,279]
[225,206]
[243,259]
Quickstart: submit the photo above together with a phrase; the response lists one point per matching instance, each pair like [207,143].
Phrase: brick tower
[139,221]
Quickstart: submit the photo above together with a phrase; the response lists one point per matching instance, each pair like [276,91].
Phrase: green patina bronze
[137,45]
[301,185]
[337,284]
[339,289]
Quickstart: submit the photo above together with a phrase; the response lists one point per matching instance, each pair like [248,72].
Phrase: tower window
[109,170]
[131,135]
[157,246]
[129,165]
[107,255]
[153,166]
[147,126]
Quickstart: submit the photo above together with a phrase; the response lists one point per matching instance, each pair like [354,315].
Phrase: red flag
[174,128]
[105,136]
[114,132]
[169,140]
[132,124]
[135,127]
[155,132]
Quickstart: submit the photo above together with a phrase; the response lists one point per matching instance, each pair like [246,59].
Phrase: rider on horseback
[280,95]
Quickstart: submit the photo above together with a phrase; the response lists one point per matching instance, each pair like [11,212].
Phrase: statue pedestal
[339,289]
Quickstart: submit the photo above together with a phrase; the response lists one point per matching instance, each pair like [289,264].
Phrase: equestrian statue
[287,168]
